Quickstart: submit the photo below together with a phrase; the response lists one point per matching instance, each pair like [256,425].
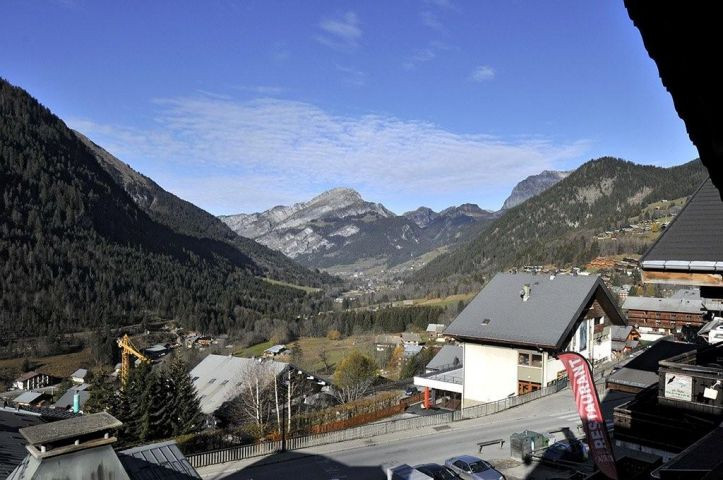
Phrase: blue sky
[240,106]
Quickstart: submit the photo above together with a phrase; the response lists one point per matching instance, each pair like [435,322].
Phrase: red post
[426,397]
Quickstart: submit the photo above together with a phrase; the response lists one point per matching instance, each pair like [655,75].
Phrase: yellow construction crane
[127,349]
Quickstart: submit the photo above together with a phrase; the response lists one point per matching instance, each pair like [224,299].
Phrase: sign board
[711,393]
[678,387]
[584,392]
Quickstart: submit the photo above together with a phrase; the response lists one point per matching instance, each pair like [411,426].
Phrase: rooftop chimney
[70,435]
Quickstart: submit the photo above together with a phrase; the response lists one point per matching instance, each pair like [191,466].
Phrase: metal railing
[232,454]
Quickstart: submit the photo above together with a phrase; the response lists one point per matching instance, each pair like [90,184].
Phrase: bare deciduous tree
[254,400]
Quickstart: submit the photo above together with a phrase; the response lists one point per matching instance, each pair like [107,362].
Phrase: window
[536,360]
[583,336]
[529,359]
[478,467]
[461,465]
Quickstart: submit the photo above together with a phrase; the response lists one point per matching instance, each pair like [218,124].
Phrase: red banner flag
[588,406]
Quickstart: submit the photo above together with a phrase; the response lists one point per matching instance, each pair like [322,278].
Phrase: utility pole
[288,389]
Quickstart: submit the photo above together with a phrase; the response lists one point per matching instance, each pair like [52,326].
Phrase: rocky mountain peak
[422,216]
[338,194]
[532,186]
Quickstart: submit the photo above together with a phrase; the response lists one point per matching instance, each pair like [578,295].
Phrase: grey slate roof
[66,401]
[412,350]
[436,327]
[217,378]
[157,461]
[677,305]
[27,397]
[446,357]
[642,371]
[72,427]
[80,373]
[544,320]
[620,333]
[694,236]
[701,458]
[276,349]
[12,444]
[411,337]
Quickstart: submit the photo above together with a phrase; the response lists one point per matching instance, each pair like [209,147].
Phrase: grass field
[285,284]
[60,366]
[311,348]
[443,302]
[254,350]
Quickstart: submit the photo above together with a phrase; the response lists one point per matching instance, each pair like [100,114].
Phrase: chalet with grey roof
[79,376]
[33,379]
[512,330]
[690,250]
[659,317]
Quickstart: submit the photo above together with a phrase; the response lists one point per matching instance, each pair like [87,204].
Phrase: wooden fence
[367,431]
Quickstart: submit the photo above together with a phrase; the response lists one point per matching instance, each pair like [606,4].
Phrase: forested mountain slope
[188,219]
[557,225]
[76,251]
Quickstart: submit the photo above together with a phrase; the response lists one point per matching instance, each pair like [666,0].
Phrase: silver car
[473,468]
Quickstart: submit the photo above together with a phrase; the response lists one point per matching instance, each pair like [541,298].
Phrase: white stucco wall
[604,350]
[593,350]
[490,373]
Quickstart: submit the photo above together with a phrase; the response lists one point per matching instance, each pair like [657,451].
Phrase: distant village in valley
[433,240]
[651,335]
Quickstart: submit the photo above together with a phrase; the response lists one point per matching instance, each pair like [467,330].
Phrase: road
[367,459]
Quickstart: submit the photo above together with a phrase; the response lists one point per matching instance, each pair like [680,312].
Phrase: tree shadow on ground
[300,466]
[552,469]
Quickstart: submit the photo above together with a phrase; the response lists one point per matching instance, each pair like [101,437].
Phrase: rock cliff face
[532,186]
[288,228]
[422,216]
[339,227]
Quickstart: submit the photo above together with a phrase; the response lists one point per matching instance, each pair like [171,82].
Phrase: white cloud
[342,32]
[353,76]
[482,73]
[424,55]
[264,90]
[273,151]
[431,20]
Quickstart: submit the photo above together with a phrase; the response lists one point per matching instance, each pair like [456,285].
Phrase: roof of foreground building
[500,315]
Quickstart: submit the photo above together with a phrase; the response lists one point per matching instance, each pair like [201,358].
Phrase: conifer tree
[187,409]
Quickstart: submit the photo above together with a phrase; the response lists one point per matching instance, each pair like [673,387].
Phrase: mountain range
[339,227]
[558,226]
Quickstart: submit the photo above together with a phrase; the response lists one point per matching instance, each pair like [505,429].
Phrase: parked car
[411,390]
[576,451]
[473,468]
[437,472]
[405,472]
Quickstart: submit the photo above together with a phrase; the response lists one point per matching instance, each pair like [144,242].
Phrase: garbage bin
[524,443]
